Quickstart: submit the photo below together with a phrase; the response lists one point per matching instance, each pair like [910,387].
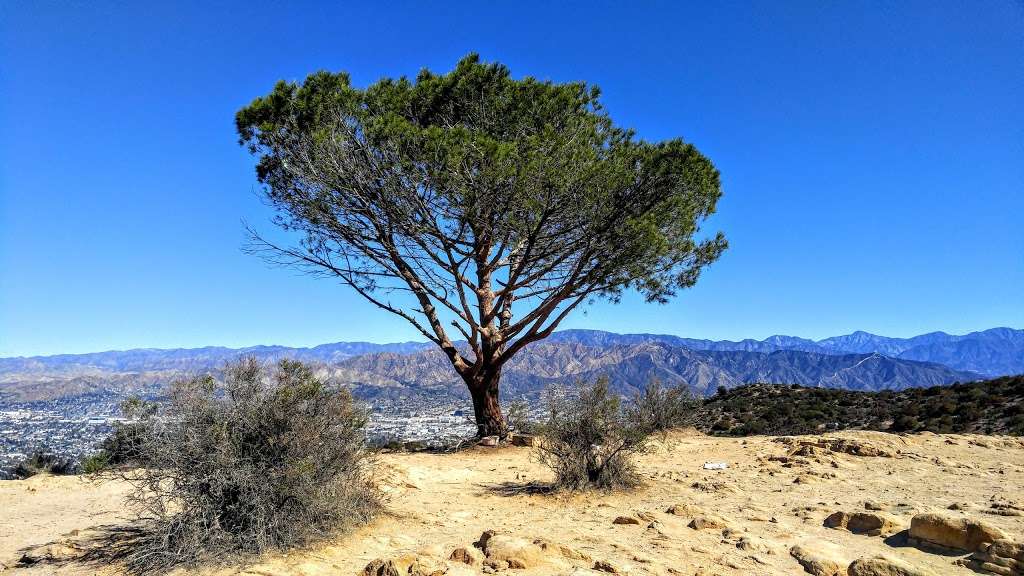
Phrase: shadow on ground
[518,488]
[134,549]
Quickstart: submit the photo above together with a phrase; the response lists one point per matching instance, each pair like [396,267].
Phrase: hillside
[748,519]
[991,407]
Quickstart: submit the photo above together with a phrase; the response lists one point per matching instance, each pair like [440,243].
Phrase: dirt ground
[763,504]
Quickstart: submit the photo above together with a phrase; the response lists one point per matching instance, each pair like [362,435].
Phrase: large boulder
[867,523]
[883,566]
[956,533]
[819,559]
[512,550]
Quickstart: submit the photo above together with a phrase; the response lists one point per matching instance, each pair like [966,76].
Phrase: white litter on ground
[715,465]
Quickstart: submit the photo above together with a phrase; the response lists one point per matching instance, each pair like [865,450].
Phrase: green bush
[981,407]
[95,463]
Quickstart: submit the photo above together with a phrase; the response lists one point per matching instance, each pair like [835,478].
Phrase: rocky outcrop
[406,565]
[493,552]
[1004,557]
[866,523]
[819,559]
[884,566]
[944,532]
[851,446]
[626,520]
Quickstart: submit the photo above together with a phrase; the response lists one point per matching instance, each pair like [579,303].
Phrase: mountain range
[857,361]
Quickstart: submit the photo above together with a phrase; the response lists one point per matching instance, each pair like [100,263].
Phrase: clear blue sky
[872,156]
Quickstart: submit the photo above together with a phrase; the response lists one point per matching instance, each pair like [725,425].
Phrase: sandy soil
[440,502]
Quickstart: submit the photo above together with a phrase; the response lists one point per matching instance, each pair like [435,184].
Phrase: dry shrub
[42,461]
[122,448]
[518,417]
[588,439]
[660,409]
[270,459]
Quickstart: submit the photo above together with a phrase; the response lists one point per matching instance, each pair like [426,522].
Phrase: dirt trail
[774,494]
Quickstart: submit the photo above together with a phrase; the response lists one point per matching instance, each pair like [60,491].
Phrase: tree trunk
[487,409]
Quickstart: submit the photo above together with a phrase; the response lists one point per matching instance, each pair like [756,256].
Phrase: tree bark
[483,388]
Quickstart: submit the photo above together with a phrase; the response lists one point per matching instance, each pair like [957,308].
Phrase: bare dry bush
[518,417]
[660,409]
[588,439]
[43,461]
[270,459]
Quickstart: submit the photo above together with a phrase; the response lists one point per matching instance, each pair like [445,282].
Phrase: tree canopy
[498,204]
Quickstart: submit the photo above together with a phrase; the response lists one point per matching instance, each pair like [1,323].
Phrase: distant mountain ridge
[143,359]
[996,351]
[858,361]
[992,352]
[630,366]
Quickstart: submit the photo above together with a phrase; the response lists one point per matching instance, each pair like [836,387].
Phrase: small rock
[721,487]
[748,544]
[708,522]
[408,564]
[872,505]
[626,520]
[481,542]
[882,566]
[489,441]
[499,565]
[606,566]
[688,510]
[467,555]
